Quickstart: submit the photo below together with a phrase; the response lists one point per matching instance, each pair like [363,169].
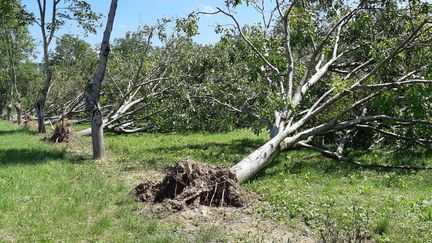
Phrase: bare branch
[267,62]
[287,46]
[233,108]
[395,84]
[422,142]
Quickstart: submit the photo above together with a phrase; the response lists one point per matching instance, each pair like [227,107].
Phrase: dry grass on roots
[29,123]
[62,133]
[189,184]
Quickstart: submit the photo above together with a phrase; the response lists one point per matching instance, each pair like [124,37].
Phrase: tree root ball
[62,132]
[189,184]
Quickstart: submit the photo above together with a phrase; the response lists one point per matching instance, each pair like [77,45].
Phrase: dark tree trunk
[1,106]
[40,104]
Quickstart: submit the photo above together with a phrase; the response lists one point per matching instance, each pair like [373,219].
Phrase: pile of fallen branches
[190,184]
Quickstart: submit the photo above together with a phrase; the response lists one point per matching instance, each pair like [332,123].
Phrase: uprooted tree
[142,78]
[327,67]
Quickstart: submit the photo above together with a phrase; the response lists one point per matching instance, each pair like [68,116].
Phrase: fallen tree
[141,78]
[323,63]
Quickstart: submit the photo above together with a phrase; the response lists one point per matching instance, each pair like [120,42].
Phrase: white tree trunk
[19,113]
[94,89]
[255,161]
[88,131]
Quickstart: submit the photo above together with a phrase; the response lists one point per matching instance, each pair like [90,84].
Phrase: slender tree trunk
[19,113]
[97,135]
[12,69]
[93,90]
[1,106]
[9,116]
[40,103]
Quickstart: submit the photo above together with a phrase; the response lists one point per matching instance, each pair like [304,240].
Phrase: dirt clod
[189,184]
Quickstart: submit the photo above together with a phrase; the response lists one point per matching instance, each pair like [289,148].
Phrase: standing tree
[94,88]
[324,62]
[16,47]
[61,11]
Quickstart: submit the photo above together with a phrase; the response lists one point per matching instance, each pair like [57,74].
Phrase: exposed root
[190,184]
[62,132]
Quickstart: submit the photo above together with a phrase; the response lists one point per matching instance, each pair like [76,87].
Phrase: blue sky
[133,13]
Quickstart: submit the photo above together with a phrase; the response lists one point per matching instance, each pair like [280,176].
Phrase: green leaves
[188,25]
[234,3]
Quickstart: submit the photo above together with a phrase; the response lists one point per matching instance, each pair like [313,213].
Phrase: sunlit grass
[46,195]
[56,193]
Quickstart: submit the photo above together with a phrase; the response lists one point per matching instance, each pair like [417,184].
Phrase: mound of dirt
[189,184]
[62,132]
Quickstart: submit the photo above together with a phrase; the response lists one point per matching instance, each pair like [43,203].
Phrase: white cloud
[122,26]
[207,8]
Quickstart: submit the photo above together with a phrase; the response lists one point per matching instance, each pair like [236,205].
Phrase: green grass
[389,205]
[156,151]
[48,194]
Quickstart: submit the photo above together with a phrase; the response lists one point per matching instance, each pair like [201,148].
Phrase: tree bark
[93,90]
[19,113]
[40,103]
[9,116]
[1,106]
[255,161]
[13,75]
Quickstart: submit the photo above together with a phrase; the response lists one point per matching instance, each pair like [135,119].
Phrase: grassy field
[57,193]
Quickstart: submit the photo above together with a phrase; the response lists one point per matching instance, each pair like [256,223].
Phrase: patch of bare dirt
[189,184]
[228,224]
[234,225]
[208,204]
[7,236]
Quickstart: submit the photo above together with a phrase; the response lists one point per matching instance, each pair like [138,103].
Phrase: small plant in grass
[382,225]
[426,213]
[353,226]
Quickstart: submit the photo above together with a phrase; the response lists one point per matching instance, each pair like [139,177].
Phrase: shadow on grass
[314,162]
[28,156]
[15,132]
[210,152]
[239,146]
